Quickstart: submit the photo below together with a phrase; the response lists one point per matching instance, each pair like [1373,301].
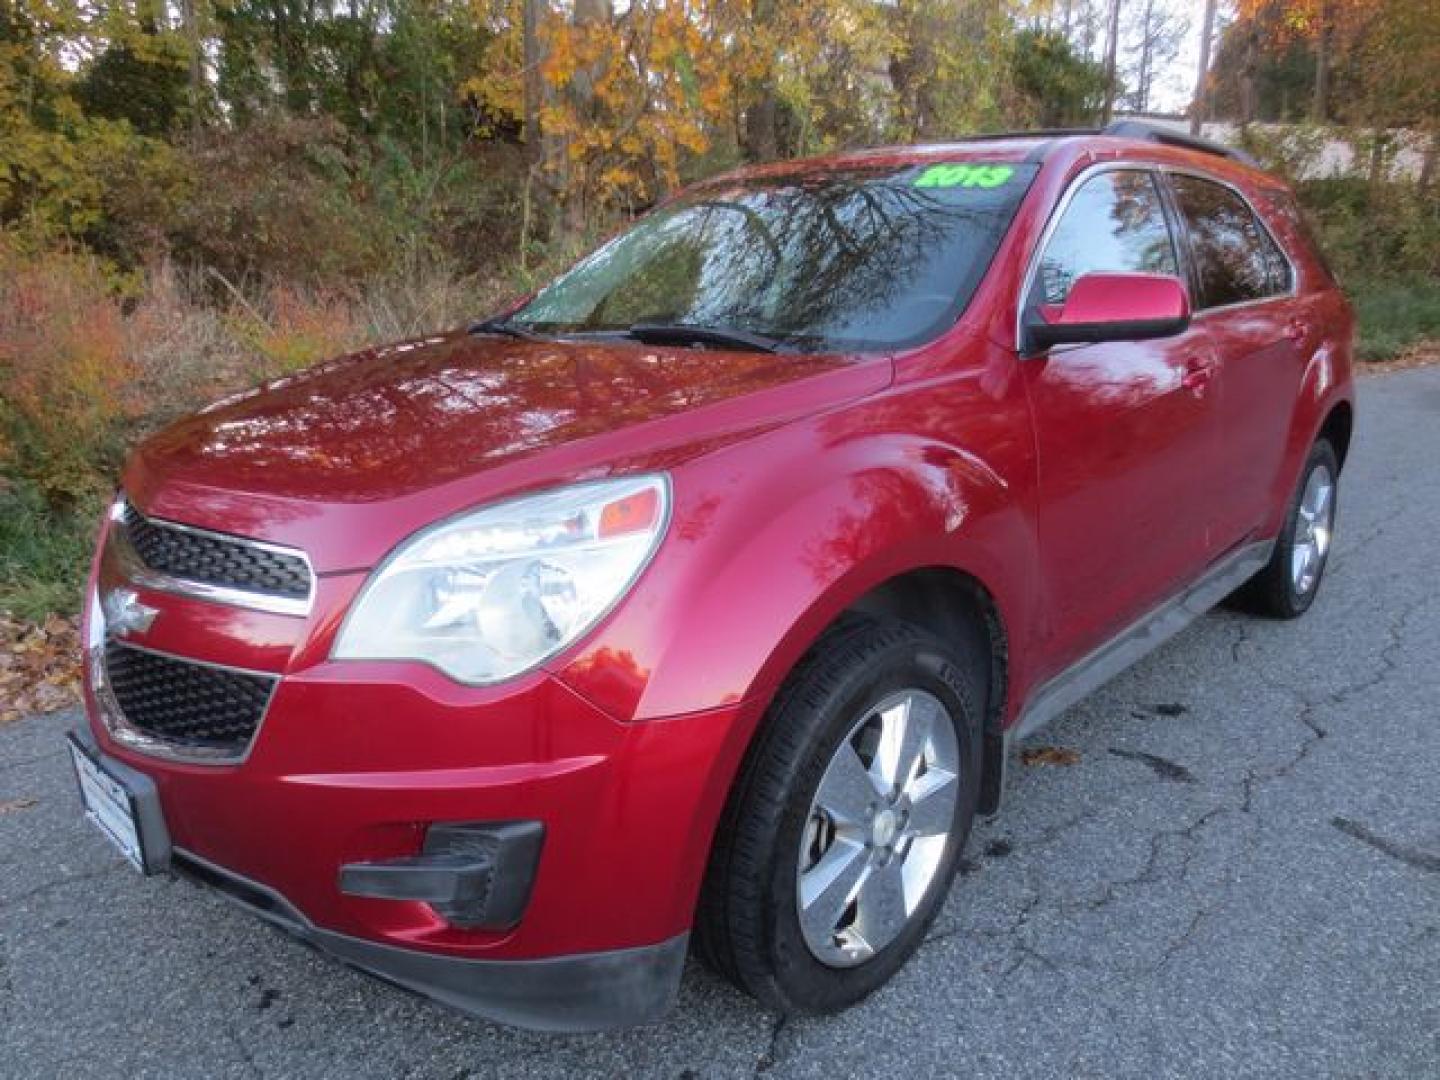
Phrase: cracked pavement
[1239,877]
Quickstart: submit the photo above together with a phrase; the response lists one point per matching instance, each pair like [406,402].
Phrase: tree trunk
[1248,94]
[1429,162]
[1319,105]
[196,83]
[532,14]
[1147,51]
[587,13]
[762,123]
[1200,106]
[1379,143]
[760,134]
[1112,41]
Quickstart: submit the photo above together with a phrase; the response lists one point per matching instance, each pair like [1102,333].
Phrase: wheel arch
[1337,427]
[957,607]
[954,606]
[1324,408]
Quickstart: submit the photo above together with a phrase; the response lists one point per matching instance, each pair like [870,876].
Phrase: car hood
[347,457]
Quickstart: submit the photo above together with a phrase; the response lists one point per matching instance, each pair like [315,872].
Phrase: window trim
[1179,235]
[1167,171]
[1062,204]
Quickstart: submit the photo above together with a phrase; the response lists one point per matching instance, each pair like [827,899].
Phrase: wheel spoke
[828,887]
[921,861]
[880,910]
[904,731]
[932,802]
[847,789]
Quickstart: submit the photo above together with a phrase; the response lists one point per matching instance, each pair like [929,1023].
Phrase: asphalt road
[1239,877]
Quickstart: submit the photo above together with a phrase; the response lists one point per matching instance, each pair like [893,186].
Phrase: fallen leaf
[39,666]
[1049,755]
[9,806]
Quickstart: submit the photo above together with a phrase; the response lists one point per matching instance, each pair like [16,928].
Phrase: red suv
[705,591]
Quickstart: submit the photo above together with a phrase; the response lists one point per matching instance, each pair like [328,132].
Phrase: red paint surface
[1108,298]
[1078,488]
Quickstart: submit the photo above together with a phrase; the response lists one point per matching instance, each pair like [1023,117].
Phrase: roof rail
[1139,129]
[1032,133]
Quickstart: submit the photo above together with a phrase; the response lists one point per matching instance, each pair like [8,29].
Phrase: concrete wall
[1334,155]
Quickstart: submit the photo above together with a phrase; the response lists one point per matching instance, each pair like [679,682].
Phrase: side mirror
[1110,307]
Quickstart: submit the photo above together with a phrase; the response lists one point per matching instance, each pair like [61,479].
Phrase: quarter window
[1235,259]
[1114,223]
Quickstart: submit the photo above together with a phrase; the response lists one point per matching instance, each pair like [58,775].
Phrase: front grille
[213,559]
[184,703]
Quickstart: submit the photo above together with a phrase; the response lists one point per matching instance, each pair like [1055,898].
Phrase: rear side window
[1288,210]
[1114,223]
[1235,259]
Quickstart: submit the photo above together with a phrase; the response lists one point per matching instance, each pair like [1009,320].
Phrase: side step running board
[1140,638]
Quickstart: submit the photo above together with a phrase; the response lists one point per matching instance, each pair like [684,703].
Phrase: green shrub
[1370,231]
[1393,315]
[44,551]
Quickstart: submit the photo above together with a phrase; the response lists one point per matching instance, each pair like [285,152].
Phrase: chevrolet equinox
[697,599]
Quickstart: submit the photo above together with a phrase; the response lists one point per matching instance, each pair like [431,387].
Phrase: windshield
[856,260]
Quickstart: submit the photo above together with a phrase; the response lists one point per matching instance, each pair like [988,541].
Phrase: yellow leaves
[625,95]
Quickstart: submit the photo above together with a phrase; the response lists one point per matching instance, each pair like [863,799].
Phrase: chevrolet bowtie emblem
[125,614]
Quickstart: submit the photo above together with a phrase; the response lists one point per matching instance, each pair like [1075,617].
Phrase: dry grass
[89,363]
[1421,354]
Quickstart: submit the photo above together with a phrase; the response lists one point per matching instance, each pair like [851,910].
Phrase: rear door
[1243,292]
[1126,433]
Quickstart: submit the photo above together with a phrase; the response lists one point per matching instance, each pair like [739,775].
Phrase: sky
[1174,86]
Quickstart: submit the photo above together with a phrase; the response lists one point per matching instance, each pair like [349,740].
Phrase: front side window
[856,259]
[1236,261]
[1114,223]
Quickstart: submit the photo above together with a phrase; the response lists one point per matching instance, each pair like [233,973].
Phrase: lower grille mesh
[186,703]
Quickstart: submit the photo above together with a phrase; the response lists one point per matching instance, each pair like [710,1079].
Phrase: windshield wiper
[684,334]
[505,328]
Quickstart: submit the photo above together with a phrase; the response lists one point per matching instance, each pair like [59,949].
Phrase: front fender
[773,539]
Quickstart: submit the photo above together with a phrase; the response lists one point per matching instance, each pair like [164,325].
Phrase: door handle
[1295,330]
[1197,375]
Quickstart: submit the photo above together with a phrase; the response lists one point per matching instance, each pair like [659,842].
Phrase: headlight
[492,594]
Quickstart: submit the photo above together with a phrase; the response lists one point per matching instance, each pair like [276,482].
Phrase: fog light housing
[476,876]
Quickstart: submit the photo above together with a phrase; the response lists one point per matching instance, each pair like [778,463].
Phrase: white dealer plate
[108,805]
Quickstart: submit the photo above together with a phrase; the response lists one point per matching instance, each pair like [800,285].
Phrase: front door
[1127,433]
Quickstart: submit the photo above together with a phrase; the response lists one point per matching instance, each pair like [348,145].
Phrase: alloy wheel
[878,828]
[1314,527]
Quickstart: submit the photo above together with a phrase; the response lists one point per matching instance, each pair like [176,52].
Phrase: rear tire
[824,877]
[1286,588]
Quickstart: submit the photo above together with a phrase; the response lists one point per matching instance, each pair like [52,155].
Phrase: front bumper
[590,992]
[356,763]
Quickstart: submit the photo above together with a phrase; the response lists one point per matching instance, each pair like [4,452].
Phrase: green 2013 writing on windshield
[970,176]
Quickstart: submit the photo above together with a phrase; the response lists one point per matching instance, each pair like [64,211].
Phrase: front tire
[844,829]
[1286,588]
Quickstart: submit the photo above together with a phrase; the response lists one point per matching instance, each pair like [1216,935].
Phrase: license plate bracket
[123,805]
